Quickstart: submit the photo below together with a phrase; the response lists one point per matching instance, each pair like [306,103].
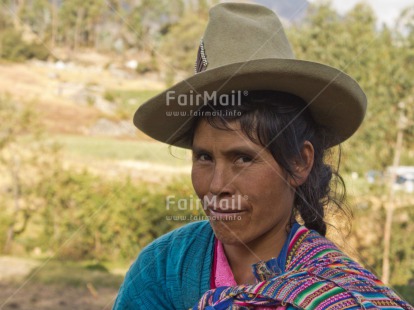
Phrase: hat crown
[245,48]
[240,32]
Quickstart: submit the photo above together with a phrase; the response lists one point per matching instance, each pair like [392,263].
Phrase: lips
[224,210]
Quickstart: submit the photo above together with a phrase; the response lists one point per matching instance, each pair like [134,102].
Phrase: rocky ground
[69,96]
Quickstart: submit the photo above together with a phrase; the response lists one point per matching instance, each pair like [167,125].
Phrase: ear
[302,166]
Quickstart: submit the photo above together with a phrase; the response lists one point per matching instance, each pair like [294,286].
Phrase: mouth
[217,213]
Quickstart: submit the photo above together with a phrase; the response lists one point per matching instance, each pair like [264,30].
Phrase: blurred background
[82,191]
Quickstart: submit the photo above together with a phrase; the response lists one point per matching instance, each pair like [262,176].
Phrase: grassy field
[76,274]
[108,148]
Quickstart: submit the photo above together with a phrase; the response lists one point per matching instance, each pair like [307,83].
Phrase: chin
[227,233]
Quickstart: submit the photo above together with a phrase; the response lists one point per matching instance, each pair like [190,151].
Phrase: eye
[203,157]
[243,159]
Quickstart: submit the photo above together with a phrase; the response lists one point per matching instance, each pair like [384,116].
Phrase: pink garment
[223,275]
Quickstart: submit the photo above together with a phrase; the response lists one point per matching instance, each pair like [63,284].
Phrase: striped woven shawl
[318,276]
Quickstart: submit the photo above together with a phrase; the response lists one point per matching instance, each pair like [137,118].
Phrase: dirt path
[48,297]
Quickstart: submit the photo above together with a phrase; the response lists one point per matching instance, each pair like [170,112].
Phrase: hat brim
[335,100]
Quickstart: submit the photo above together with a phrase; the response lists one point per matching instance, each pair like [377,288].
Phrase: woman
[258,140]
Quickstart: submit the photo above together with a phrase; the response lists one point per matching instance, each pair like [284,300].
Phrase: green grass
[74,274]
[139,95]
[128,100]
[115,149]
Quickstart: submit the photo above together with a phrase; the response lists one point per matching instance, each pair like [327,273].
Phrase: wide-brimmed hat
[244,48]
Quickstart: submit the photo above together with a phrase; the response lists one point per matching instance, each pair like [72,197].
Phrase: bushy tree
[376,59]
[78,19]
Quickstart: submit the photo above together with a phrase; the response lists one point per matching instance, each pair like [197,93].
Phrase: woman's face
[245,192]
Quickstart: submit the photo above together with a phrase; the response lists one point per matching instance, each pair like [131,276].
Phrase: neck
[242,256]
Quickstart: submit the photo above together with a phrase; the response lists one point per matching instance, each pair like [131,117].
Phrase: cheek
[199,182]
[271,189]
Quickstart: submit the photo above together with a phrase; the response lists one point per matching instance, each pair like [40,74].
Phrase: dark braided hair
[282,123]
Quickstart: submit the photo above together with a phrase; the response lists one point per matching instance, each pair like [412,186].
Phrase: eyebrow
[228,152]
[196,149]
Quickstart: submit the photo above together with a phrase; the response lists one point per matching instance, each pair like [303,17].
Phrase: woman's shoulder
[316,261]
[200,232]
[168,251]
[307,247]
[176,262]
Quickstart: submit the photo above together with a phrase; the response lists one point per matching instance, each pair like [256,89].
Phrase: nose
[221,181]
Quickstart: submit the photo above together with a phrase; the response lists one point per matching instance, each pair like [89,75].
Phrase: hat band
[201,61]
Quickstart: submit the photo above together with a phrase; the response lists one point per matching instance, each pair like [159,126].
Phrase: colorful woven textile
[174,271]
[317,276]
